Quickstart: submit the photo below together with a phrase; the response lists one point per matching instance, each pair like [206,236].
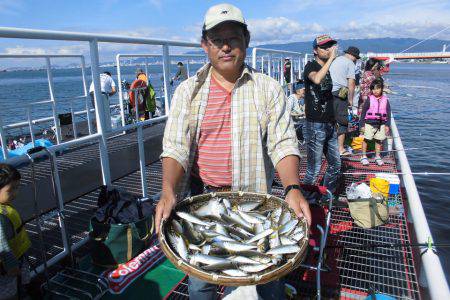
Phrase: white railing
[435,276]
[93,40]
[102,134]
[146,56]
[277,57]
[52,101]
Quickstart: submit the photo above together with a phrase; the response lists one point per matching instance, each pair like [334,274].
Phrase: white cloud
[20,50]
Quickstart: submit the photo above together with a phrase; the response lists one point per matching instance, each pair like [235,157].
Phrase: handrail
[280,65]
[25,33]
[437,283]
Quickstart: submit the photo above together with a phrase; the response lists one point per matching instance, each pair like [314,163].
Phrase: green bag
[114,244]
[368,213]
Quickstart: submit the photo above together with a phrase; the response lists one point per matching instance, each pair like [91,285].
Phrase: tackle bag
[370,212]
[114,242]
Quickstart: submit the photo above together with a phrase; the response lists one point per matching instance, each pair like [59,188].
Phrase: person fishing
[108,89]
[181,73]
[145,97]
[228,105]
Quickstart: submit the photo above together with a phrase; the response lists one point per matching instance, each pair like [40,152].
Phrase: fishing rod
[394,150]
[401,173]
[425,39]
[389,245]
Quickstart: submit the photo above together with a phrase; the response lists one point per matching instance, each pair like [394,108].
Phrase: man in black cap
[342,72]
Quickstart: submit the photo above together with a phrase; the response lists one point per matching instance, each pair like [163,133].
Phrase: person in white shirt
[296,104]
[108,88]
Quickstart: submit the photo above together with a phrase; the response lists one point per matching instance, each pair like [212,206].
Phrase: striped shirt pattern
[213,160]
[262,131]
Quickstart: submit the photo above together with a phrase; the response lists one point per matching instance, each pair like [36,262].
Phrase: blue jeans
[202,290]
[321,138]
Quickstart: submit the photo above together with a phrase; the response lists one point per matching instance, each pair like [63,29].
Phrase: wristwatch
[291,187]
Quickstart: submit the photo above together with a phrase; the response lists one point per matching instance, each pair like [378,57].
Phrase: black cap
[353,51]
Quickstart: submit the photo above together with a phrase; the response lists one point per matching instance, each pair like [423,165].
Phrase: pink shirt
[213,162]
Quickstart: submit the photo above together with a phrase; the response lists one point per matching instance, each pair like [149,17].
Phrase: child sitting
[14,240]
[375,120]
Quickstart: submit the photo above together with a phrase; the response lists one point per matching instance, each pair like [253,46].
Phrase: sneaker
[364,161]
[379,161]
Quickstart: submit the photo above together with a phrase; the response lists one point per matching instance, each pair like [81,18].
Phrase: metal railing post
[99,112]
[85,90]
[166,73]
[146,69]
[188,69]
[299,68]
[51,89]
[291,88]
[119,83]
[142,161]
[262,64]
[3,140]
[74,123]
[269,69]
[30,125]
[59,196]
[254,58]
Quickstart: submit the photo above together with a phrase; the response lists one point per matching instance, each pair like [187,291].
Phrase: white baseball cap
[222,13]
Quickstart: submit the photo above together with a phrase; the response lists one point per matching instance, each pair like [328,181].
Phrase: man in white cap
[228,127]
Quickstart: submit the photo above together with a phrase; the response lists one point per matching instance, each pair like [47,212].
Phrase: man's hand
[164,208]
[298,203]
[388,130]
[333,52]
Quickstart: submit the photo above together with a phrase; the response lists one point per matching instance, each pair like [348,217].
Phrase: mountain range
[370,45]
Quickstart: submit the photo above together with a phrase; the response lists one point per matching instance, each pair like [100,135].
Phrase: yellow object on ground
[357,143]
[380,186]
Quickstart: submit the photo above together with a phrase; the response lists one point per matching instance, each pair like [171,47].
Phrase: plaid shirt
[262,130]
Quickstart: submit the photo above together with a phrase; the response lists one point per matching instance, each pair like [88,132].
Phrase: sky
[269,21]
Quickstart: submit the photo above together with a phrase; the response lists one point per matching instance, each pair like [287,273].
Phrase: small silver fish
[260,236]
[193,236]
[199,258]
[194,247]
[285,217]
[234,246]
[220,228]
[275,216]
[240,232]
[243,260]
[213,208]
[254,268]
[179,245]
[234,273]
[288,227]
[240,221]
[257,215]
[288,249]
[227,203]
[297,236]
[192,219]
[287,241]
[249,218]
[248,205]
[220,266]
[177,226]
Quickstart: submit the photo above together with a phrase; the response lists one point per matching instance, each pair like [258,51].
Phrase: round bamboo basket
[190,204]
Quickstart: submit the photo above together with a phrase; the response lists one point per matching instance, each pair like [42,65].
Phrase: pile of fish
[237,239]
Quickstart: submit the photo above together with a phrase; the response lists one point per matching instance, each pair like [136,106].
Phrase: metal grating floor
[79,212]
[355,271]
